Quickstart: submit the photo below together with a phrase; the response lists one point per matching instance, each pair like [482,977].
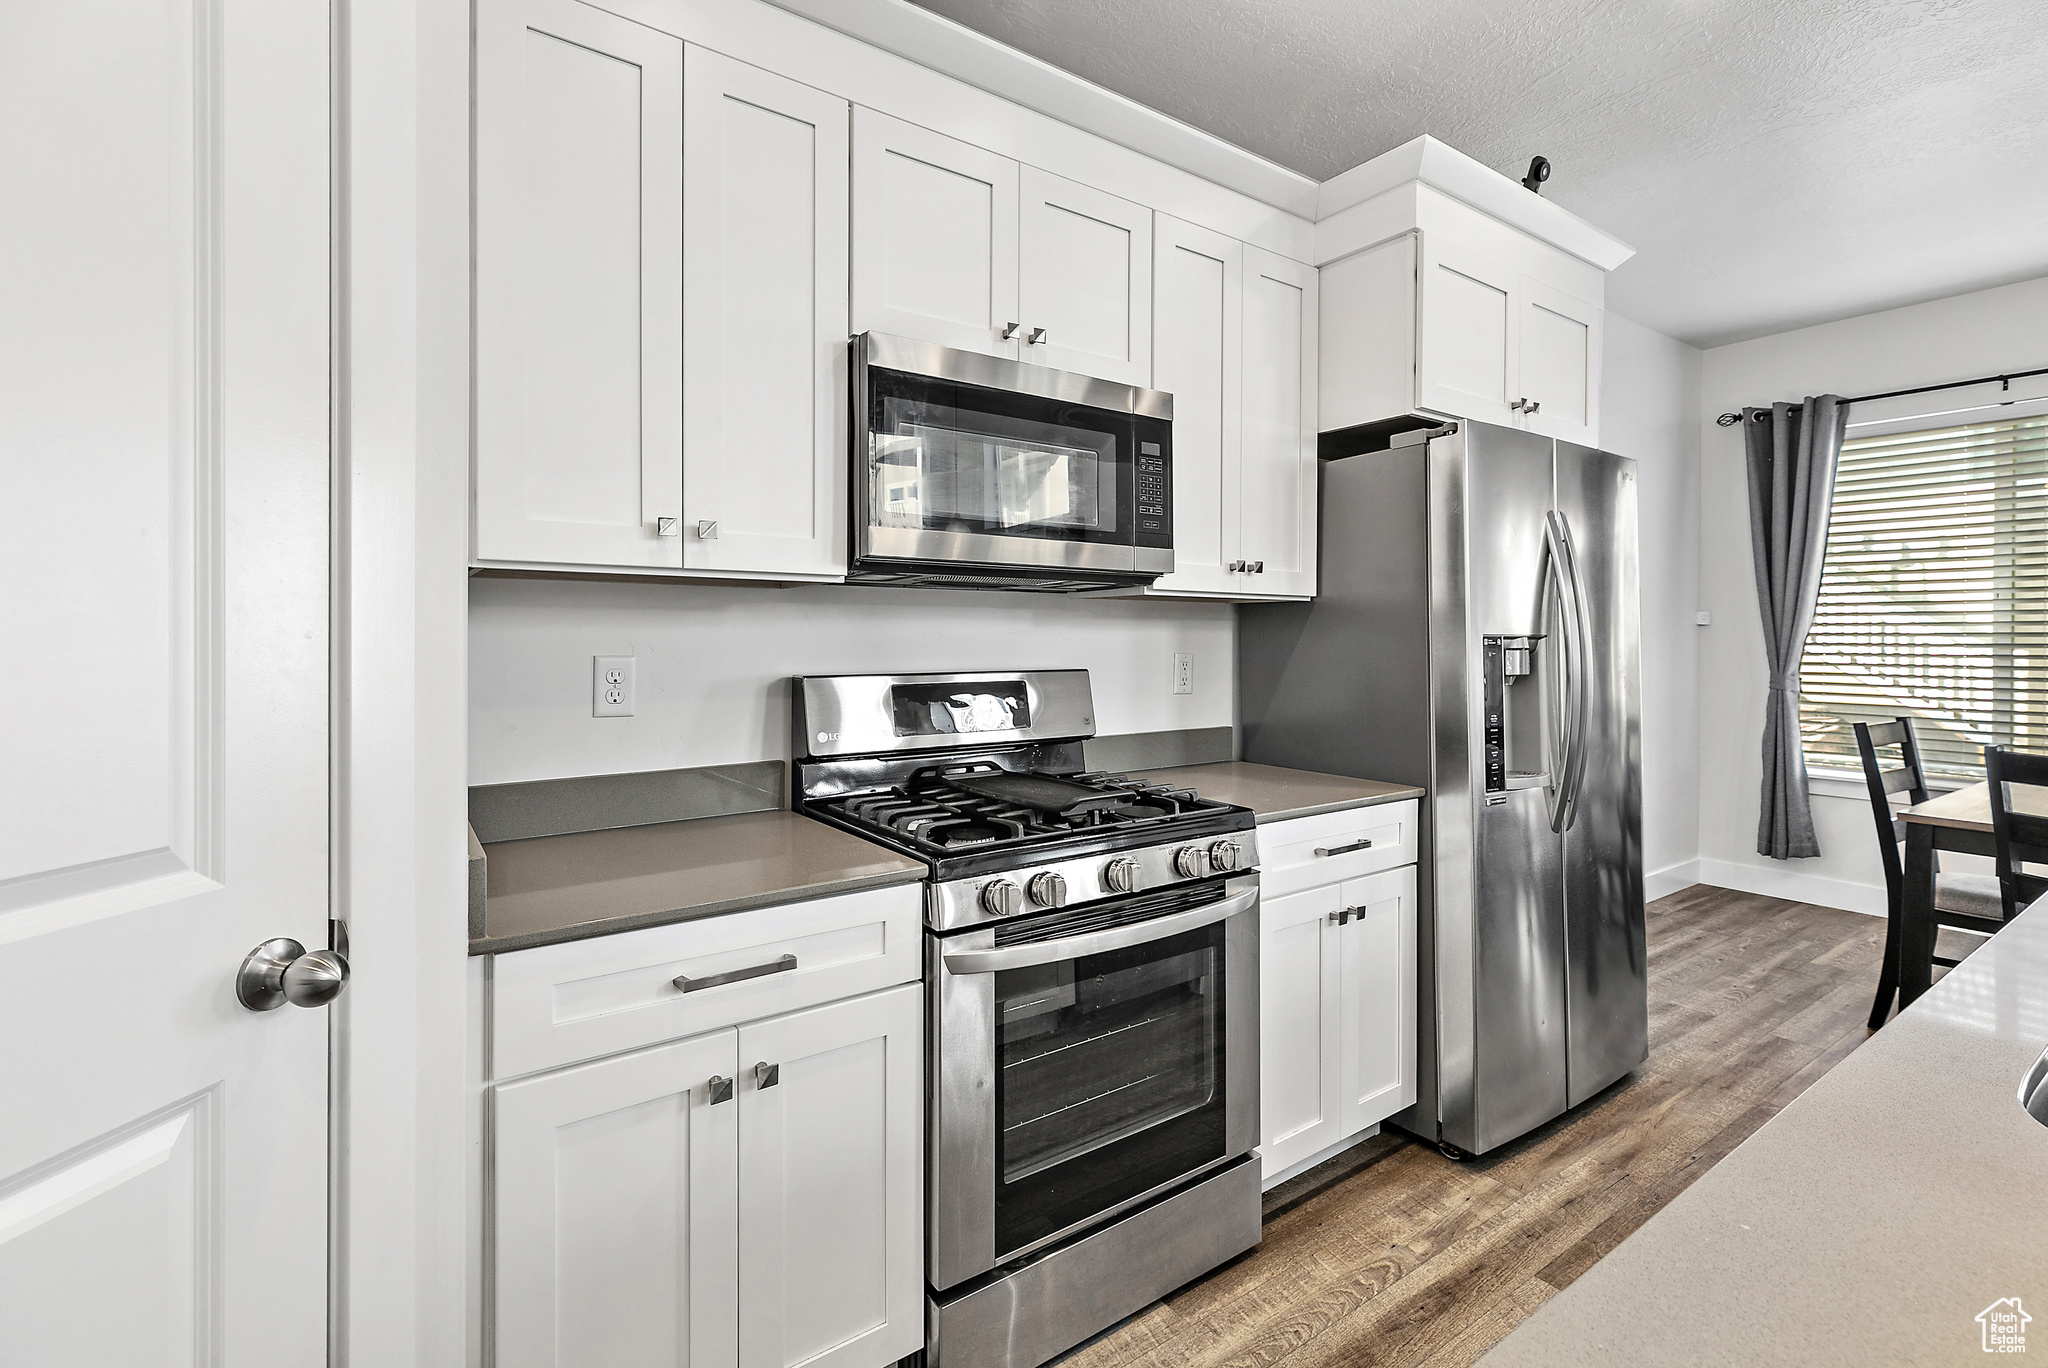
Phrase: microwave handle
[1095,942]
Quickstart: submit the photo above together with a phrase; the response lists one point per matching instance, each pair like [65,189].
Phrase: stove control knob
[1189,862]
[1048,889]
[1223,856]
[1001,898]
[1121,875]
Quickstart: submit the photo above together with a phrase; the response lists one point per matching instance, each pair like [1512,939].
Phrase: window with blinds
[1934,596]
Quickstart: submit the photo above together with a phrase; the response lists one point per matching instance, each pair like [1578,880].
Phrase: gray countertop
[593,883]
[1870,1222]
[1277,794]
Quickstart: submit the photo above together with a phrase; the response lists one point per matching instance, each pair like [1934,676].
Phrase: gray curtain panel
[1792,455]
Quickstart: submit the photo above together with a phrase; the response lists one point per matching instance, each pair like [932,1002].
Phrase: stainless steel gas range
[1091,975]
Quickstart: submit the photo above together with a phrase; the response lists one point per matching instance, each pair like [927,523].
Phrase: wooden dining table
[1959,821]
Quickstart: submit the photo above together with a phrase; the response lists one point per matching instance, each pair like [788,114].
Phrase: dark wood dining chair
[2020,837]
[1967,902]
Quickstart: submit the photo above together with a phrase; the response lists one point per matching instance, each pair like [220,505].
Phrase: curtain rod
[2004,383]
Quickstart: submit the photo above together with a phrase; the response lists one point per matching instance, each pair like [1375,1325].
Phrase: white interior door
[579,290]
[764,321]
[934,237]
[164,429]
[1277,452]
[1084,279]
[1197,302]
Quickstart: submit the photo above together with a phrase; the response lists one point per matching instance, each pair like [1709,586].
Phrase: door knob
[1010,332]
[1036,337]
[282,970]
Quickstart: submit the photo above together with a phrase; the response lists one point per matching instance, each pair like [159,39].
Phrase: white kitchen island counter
[1870,1222]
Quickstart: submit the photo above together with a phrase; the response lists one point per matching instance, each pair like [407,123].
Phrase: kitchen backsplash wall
[713,663]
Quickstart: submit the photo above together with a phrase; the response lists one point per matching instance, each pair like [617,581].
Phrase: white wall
[714,663]
[1649,397]
[1949,339]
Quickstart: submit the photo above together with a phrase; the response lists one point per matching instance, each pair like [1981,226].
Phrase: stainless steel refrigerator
[1477,633]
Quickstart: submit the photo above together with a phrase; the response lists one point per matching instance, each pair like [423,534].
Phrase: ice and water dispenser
[1514,714]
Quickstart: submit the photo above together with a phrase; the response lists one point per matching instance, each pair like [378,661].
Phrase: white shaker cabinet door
[831,1183]
[1470,329]
[617,1222]
[1377,1003]
[579,294]
[1277,464]
[1560,363]
[1084,279]
[1298,1043]
[764,321]
[1198,357]
[934,237]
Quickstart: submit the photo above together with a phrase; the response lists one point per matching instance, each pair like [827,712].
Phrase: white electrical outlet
[611,693]
[1183,673]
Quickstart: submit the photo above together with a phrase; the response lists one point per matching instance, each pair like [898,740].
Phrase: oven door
[1085,1061]
[968,460]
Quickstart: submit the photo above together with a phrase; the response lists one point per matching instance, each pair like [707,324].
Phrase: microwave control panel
[1154,485]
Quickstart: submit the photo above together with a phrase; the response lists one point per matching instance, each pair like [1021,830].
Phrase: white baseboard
[1793,885]
[1273,1180]
[1662,883]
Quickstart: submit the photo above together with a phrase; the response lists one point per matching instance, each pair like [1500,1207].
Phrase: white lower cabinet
[750,1196]
[1336,1012]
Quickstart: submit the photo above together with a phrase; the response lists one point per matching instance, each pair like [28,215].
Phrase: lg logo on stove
[828,736]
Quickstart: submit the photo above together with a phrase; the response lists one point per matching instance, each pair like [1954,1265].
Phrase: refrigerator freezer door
[1607,983]
[1500,966]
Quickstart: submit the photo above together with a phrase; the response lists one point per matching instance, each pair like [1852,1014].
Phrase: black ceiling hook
[1539,172]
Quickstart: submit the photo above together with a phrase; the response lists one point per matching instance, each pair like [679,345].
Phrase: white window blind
[1934,596]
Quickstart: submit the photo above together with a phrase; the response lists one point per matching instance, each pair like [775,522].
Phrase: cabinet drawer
[562,1003]
[1358,841]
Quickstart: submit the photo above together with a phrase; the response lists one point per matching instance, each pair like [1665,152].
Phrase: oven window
[945,457]
[1110,1080]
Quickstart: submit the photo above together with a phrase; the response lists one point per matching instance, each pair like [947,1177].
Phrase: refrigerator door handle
[1568,731]
[1572,600]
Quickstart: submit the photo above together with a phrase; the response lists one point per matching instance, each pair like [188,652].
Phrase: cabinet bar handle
[1344,849]
[691,985]
[721,1089]
[767,1075]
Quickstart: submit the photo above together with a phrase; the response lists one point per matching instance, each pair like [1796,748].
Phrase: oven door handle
[1095,942]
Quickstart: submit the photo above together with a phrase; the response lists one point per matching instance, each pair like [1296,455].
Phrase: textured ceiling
[1774,162]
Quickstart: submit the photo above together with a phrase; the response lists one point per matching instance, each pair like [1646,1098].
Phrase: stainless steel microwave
[973,471]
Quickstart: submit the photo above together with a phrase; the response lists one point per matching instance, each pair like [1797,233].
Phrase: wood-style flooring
[1392,1254]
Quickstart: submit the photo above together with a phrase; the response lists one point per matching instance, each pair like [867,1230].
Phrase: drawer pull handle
[767,1075]
[691,985]
[1344,849]
[721,1089]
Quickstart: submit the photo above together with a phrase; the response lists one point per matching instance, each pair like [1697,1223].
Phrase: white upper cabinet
[934,238]
[1277,464]
[1424,322]
[579,256]
[956,245]
[622,420]
[1469,328]
[1198,357]
[1235,336]
[1559,349]
[764,321]
[1084,281]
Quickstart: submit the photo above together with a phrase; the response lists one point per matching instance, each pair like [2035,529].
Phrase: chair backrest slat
[1909,779]
[2018,837]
